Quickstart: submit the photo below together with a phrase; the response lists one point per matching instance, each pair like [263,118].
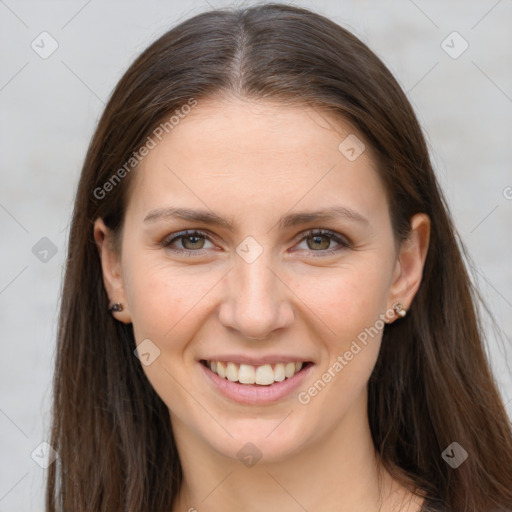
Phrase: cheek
[345,300]
[352,312]
[164,299]
[167,305]
[349,306]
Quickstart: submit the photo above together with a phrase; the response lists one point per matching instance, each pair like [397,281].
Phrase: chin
[259,441]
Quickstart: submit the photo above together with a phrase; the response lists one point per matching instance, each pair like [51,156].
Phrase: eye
[191,241]
[320,240]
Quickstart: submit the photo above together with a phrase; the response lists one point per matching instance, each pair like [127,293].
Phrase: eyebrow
[286,221]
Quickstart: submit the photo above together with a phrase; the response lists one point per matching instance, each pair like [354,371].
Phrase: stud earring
[399,309]
[115,307]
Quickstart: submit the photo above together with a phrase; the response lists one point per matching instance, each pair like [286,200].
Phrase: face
[253,285]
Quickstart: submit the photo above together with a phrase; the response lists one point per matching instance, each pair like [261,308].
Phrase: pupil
[317,237]
[193,238]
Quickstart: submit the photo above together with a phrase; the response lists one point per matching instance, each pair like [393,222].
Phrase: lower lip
[254,394]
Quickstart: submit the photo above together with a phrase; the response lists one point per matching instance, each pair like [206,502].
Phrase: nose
[257,300]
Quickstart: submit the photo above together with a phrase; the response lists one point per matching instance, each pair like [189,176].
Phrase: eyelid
[182,234]
[343,241]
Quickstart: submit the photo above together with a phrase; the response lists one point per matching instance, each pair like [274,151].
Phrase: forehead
[232,153]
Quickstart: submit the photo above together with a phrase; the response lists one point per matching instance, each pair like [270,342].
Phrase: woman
[265,305]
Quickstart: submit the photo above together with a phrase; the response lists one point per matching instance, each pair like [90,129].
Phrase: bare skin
[306,296]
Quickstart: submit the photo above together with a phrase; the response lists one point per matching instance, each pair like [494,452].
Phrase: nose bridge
[257,284]
[258,302]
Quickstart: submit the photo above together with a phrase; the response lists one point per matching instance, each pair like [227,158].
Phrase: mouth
[251,375]
[256,385]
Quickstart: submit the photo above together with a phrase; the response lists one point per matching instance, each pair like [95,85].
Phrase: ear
[410,262]
[111,269]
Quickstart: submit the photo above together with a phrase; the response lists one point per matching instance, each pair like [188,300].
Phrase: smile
[263,375]
[255,384]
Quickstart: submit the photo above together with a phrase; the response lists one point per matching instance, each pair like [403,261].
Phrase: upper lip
[256,361]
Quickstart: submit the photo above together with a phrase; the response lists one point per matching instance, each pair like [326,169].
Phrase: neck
[339,472]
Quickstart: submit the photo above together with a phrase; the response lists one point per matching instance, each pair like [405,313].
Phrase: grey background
[49,108]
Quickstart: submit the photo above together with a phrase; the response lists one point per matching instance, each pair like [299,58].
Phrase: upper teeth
[248,374]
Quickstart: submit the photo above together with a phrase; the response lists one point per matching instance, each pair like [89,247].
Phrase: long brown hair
[431,385]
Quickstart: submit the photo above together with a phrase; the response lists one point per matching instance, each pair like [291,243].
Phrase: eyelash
[344,243]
